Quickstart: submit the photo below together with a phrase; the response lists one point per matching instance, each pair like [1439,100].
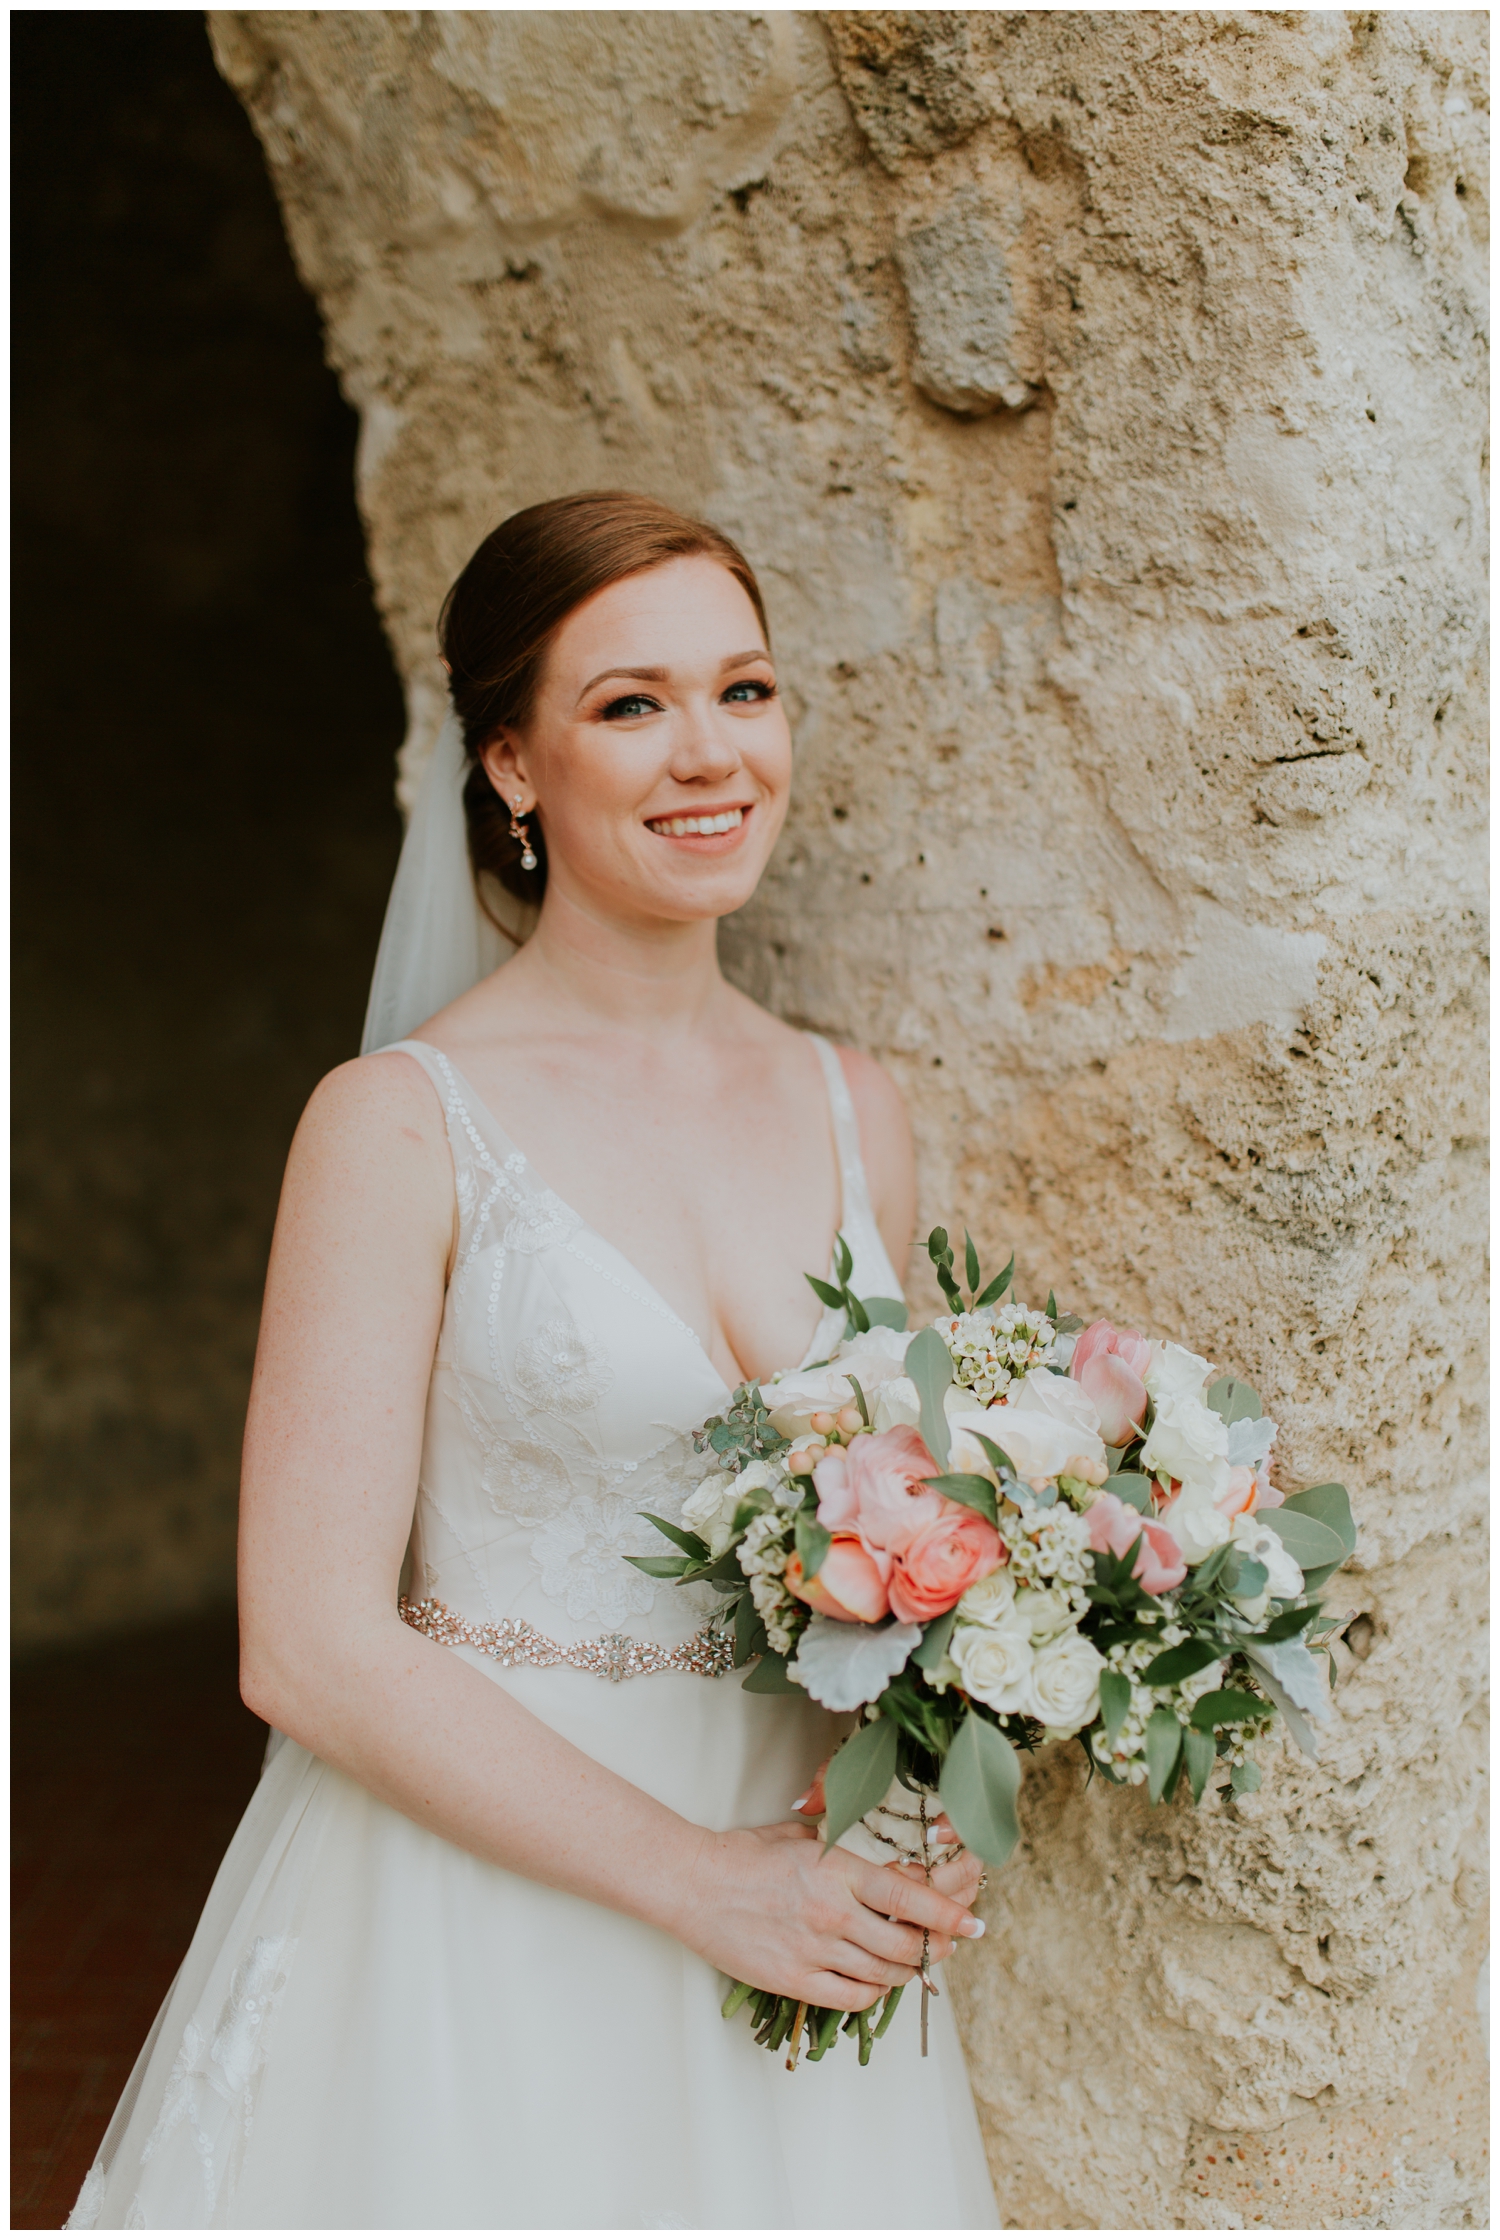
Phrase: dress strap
[873,1274]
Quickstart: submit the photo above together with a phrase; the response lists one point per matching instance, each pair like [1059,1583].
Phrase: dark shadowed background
[205,717]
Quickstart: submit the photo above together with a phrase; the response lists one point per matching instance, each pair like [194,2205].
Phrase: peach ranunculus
[941,1562]
[1111,1365]
[1114,1525]
[874,1487]
[850,1583]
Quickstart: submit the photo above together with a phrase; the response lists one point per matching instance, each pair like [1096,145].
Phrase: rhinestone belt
[613,1656]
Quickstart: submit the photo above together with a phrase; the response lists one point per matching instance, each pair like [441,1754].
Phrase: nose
[705,747]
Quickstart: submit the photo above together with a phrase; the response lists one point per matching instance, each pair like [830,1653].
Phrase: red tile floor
[132,1762]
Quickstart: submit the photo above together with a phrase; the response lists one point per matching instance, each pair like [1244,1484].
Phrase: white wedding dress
[374,2029]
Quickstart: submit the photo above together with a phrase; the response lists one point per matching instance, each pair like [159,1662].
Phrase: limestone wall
[1101,398]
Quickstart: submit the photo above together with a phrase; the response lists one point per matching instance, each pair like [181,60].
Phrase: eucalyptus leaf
[1307,1541]
[1231,1401]
[969,1490]
[749,1630]
[813,1542]
[1251,1578]
[1245,1779]
[1289,1623]
[886,1314]
[1114,1703]
[1163,1748]
[981,1775]
[1132,1487]
[930,1367]
[935,1639]
[1199,1754]
[859,1775]
[1329,1504]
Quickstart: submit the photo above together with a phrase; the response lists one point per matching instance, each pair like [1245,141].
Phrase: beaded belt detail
[613,1656]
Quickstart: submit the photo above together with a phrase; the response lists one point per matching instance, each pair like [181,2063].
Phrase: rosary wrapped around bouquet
[1001,1530]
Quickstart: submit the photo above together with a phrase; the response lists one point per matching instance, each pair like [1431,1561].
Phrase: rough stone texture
[1136,829]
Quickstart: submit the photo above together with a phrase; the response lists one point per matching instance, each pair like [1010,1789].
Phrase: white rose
[1045,1612]
[1195,1524]
[796,1396]
[709,1509]
[1039,1445]
[989,1599]
[1064,1687]
[1175,1374]
[896,1402]
[1255,1539]
[995,1662]
[1189,1442]
[1057,1396]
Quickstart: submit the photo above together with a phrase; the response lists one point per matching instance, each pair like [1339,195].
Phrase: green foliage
[859,1314]
[940,1253]
[1114,1702]
[1225,1707]
[769,1678]
[689,1542]
[981,1775]
[933,1646]
[886,1314]
[1163,1748]
[1245,1779]
[929,1364]
[1233,1402]
[859,1775]
[1314,1545]
[743,1434]
[1199,1755]
[1328,1505]
[813,1541]
[1289,1623]
[660,1567]
[1174,1665]
[968,1489]
[1132,1487]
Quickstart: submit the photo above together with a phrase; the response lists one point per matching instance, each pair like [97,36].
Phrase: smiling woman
[522,1253]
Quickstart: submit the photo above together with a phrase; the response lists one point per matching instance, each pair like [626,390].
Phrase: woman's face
[657,710]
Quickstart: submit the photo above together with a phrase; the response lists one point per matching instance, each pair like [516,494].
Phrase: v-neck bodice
[565,1390]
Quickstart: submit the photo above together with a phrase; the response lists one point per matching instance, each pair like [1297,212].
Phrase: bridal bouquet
[1002,1530]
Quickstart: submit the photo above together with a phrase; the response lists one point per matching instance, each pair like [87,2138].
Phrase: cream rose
[1173,1373]
[874,1358]
[1190,1443]
[994,1662]
[1039,1445]
[1044,1611]
[1063,1691]
[709,1509]
[989,1599]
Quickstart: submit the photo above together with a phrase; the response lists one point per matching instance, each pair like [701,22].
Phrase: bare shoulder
[375,1121]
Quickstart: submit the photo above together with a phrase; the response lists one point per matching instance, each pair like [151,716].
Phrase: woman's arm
[890,1159]
[354,1301]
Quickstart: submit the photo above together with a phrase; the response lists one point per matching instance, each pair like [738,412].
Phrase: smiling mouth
[697,828]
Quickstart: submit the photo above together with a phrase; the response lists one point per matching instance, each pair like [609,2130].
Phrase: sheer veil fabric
[436,941]
[374,2030]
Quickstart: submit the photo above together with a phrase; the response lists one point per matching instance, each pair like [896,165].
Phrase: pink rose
[1114,1525]
[850,1582]
[1238,1497]
[1111,1365]
[941,1561]
[874,1487]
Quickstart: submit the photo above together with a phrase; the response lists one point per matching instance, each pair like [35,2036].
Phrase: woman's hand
[768,1906]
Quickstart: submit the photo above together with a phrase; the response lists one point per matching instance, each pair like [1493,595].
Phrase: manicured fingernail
[799,1802]
[970,1926]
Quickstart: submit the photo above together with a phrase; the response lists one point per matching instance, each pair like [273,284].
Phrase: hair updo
[501,615]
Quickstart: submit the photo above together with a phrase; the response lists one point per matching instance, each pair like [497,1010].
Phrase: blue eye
[749,688]
[632,704]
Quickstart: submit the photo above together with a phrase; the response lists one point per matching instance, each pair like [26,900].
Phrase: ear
[503,761]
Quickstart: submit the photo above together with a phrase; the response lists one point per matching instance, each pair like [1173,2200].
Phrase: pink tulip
[1110,1365]
[875,1488]
[1113,1525]
[941,1562]
[850,1582]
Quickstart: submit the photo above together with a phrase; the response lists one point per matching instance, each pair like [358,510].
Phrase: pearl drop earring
[519,832]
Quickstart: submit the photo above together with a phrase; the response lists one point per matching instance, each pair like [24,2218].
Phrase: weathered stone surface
[1136,829]
[958,295]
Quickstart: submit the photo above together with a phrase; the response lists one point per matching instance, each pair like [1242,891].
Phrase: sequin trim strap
[612,1656]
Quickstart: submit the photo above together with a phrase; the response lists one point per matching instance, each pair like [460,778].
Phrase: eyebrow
[659,676]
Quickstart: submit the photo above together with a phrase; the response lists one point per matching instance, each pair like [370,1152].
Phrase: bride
[463,1963]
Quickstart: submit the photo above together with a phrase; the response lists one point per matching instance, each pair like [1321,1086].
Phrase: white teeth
[678,828]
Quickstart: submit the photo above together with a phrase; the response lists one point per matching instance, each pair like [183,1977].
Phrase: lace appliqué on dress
[562,1369]
[90,2201]
[581,1558]
[213,2082]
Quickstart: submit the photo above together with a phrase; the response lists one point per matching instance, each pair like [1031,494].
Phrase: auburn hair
[502,614]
